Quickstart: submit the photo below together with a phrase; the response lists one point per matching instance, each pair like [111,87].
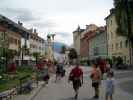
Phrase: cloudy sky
[56,16]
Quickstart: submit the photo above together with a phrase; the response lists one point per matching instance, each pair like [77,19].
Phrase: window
[116,45]
[111,35]
[30,45]
[121,44]
[96,51]
[19,42]
[15,41]
[111,22]
[125,59]
[126,43]
[108,37]
[112,47]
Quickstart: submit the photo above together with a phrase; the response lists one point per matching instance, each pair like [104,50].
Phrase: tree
[4,44]
[124,17]
[119,60]
[72,54]
[22,52]
[36,55]
[63,49]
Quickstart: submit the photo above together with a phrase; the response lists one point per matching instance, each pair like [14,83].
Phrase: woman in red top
[76,76]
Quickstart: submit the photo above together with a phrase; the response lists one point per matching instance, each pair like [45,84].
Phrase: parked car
[121,66]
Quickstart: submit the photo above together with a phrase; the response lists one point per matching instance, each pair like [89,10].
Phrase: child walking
[109,86]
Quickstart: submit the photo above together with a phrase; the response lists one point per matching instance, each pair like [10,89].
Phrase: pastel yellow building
[117,45]
[14,40]
[76,39]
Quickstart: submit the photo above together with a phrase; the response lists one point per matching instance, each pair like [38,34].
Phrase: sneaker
[96,97]
[76,97]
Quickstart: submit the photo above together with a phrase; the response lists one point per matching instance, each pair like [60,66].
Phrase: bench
[25,84]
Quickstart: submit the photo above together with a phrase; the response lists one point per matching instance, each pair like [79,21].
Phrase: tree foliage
[124,17]
[63,49]
[4,42]
[8,54]
[36,55]
[72,54]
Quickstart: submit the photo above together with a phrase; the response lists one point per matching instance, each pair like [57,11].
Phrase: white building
[37,44]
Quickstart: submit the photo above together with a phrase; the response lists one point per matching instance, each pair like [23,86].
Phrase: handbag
[71,78]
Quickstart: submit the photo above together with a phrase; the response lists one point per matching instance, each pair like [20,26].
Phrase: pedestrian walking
[108,67]
[96,79]
[76,76]
[102,65]
[109,86]
[59,69]
[46,75]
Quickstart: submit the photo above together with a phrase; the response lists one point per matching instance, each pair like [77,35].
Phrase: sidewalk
[62,90]
[30,96]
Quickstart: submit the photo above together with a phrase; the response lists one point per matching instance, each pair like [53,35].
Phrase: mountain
[57,46]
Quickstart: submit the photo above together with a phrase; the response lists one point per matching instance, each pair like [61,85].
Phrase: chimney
[112,10]
[35,31]
[19,23]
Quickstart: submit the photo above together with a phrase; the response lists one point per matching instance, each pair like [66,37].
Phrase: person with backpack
[59,69]
[76,76]
[96,79]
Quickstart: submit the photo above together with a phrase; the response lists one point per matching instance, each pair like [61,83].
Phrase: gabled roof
[112,11]
[79,30]
[13,24]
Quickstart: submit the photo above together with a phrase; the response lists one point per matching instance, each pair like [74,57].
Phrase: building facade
[12,34]
[118,46]
[37,44]
[76,39]
[98,44]
[84,41]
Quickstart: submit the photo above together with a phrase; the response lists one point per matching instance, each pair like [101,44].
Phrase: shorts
[95,84]
[76,84]
[109,93]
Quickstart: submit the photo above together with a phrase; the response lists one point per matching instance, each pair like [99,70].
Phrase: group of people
[45,67]
[97,73]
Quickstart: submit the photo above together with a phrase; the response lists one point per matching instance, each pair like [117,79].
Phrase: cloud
[67,40]
[63,34]
[21,14]
[44,24]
